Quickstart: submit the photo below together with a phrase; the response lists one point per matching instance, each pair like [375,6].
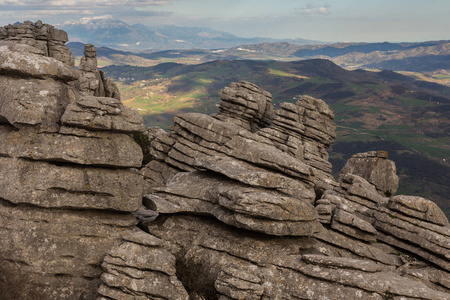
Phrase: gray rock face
[305,130]
[106,149]
[66,188]
[92,81]
[48,40]
[33,102]
[247,105]
[25,60]
[375,168]
[419,208]
[249,168]
[101,113]
[264,267]
[140,268]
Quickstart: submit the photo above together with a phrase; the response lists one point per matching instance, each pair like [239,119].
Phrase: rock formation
[46,39]
[237,205]
[247,204]
[93,81]
[66,189]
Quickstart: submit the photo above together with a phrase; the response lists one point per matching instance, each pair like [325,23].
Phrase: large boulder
[375,168]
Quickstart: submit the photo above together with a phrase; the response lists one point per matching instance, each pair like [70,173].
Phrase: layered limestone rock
[248,206]
[66,185]
[237,205]
[243,179]
[93,81]
[375,168]
[44,38]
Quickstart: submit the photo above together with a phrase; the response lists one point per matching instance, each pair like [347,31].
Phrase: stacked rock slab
[66,187]
[93,81]
[241,177]
[47,40]
[305,130]
[375,168]
[234,194]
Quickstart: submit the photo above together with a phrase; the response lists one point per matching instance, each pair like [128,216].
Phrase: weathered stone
[143,270]
[246,103]
[418,207]
[245,207]
[359,187]
[33,102]
[238,284]
[435,244]
[65,195]
[229,205]
[342,263]
[155,174]
[375,168]
[56,252]
[239,265]
[49,40]
[93,81]
[27,64]
[288,132]
[114,150]
[353,226]
[49,185]
[95,113]
[229,139]
[255,176]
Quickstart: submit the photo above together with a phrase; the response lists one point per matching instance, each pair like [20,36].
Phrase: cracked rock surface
[67,191]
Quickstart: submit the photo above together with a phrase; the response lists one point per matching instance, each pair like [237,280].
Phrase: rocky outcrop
[375,168]
[93,81]
[278,224]
[67,189]
[45,39]
[237,205]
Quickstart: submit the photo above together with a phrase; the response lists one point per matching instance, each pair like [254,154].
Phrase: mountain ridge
[107,31]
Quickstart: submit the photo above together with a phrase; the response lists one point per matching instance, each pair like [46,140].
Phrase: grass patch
[284,74]
[397,127]
[338,107]
[412,102]
[417,142]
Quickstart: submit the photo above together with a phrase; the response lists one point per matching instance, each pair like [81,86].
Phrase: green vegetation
[284,74]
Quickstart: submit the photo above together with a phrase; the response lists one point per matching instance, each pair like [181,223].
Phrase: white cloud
[58,11]
[323,10]
[75,3]
[312,9]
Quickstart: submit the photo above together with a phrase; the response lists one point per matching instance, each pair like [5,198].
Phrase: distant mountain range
[432,56]
[111,32]
[417,57]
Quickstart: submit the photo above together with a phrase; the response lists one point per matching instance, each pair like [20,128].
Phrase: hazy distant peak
[111,32]
[87,20]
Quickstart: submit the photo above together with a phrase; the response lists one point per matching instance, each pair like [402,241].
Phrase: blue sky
[329,20]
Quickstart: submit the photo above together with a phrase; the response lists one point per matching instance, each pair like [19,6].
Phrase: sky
[324,20]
